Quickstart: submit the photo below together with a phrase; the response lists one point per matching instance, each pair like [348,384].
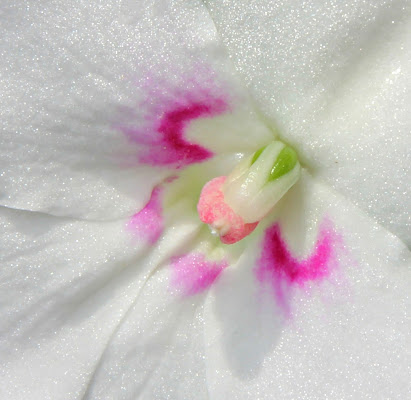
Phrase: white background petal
[349,336]
[335,77]
[81,299]
[97,319]
[64,287]
[86,313]
[68,69]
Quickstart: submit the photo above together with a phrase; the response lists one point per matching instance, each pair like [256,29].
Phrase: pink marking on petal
[212,208]
[192,273]
[161,136]
[148,224]
[282,270]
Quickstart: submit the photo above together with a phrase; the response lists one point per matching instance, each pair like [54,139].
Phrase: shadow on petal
[251,318]
[251,328]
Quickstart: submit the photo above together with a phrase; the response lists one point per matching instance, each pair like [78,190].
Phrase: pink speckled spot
[161,137]
[278,267]
[192,273]
[148,223]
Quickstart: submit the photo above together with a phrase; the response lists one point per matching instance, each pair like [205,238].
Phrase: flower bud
[234,205]
[259,182]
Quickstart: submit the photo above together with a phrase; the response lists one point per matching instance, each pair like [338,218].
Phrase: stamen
[234,205]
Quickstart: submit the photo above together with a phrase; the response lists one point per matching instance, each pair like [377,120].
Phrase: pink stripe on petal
[164,118]
[281,270]
[192,273]
[148,224]
[173,148]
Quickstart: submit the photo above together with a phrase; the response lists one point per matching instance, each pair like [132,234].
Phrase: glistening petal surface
[335,77]
[73,73]
[65,285]
[348,333]
[91,311]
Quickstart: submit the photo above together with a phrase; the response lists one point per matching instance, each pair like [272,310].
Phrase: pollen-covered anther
[234,205]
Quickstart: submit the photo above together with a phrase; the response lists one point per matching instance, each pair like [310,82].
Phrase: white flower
[93,307]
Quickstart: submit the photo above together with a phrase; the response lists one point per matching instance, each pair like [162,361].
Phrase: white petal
[118,329]
[74,76]
[65,286]
[335,77]
[72,289]
[348,335]
[157,351]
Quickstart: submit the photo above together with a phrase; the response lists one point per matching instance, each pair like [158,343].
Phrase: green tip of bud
[286,161]
[257,154]
[258,182]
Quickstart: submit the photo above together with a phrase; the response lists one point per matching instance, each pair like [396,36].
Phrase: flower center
[234,205]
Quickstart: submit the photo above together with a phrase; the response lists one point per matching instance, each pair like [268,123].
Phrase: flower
[89,306]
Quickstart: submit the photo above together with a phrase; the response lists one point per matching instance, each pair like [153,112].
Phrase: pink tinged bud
[234,205]
[223,221]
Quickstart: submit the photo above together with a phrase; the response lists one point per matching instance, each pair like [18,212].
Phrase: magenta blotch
[161,137]
[283,271]
[192,273]
[148,224]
